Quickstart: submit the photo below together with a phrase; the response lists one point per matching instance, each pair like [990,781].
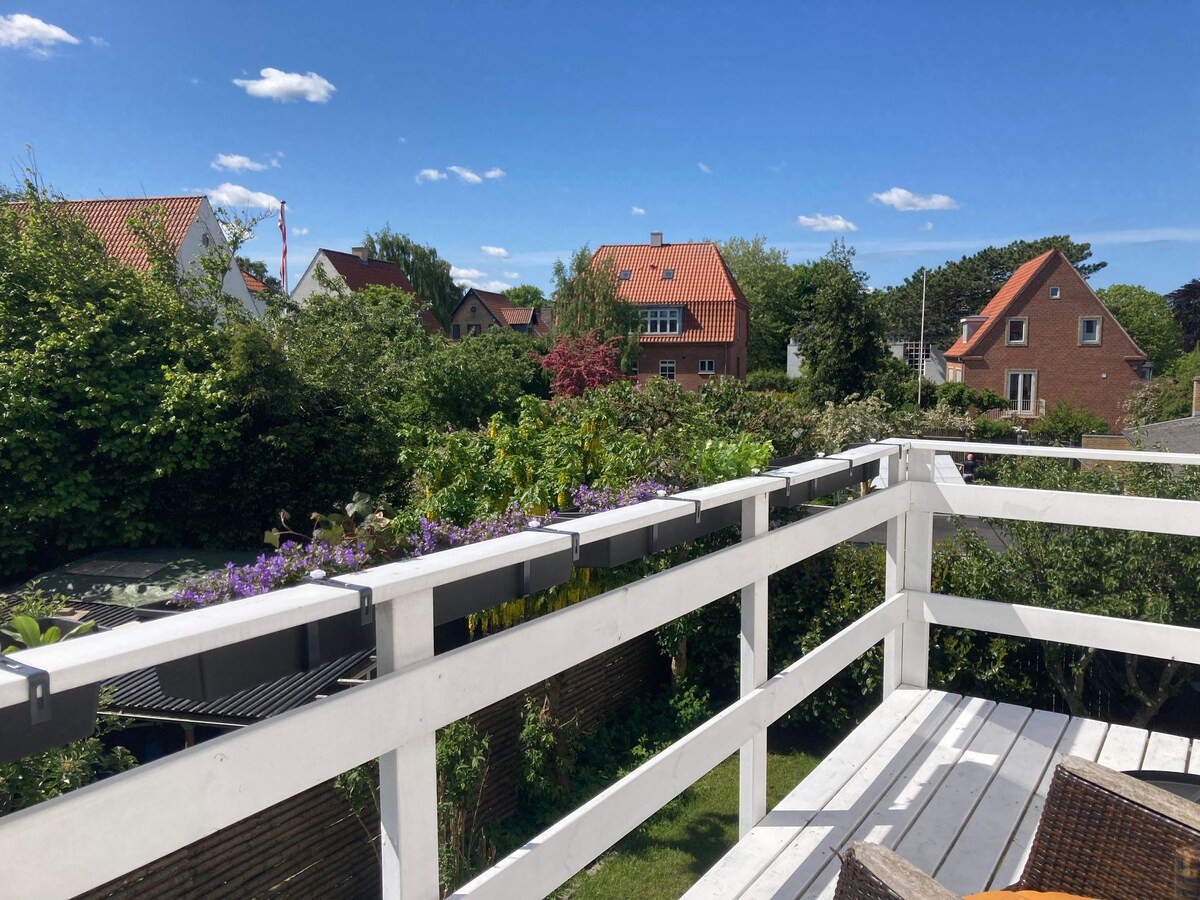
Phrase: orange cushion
[1024,895]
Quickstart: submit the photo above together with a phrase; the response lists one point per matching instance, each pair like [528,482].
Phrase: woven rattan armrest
[1104,834]
[871,872]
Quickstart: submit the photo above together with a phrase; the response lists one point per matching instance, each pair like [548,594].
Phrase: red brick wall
[730,360]
[1098,378]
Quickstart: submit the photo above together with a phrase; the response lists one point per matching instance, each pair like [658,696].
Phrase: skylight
[625,274]
[668,274]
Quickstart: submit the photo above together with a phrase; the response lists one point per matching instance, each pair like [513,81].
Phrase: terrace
[955,783]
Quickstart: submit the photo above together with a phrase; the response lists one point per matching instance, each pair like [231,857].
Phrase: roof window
[668,274]
[625,274]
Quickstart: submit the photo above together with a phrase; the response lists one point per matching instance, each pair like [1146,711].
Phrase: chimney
[1196,396]
[361,253]
[656,239]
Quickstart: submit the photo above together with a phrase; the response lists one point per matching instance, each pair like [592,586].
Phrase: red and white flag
[283,258]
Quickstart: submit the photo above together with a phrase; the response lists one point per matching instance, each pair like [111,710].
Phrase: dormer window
[625,274]
[662,320]
[1055,293]
[668,274]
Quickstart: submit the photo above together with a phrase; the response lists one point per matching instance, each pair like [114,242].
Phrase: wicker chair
[1102,834]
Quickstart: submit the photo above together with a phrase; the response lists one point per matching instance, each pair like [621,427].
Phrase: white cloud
[299,232]
[515,276]
[32,34]
[495,252]
[237,196]
[703,168]
[495,285]
[234,162]
[430,175]
[465,274]
[466,176]
[636,211]
[275,158]
[821,222]
[402,140]
[287,86]
[194,80]
[778,168]
[928,226]
[494,172]
[97,41]
[907,201]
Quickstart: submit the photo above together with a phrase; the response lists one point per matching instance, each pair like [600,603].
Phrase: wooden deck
[954,784]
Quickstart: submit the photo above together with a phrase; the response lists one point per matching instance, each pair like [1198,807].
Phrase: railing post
[752,758]
[407,775]
[909,567]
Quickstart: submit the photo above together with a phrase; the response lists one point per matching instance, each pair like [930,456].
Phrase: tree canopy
[1185,303]
[429,273]
[526,295]
[586,300]
[1148,318]
[778,295]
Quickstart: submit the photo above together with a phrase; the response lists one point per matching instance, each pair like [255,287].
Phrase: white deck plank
[1124,748]
[756,851]
[968,867]
[1194,759]
[1082,737]
[1166,752]
[805,859]
[928,841]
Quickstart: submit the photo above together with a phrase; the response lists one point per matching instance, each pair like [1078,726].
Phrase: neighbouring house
[695,318]
[1046,338]
[479,311]
[909,352]
[190,228]
[253,284]
[357,270]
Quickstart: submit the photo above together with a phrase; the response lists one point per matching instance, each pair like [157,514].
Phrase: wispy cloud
[29,33]
[401,140]
[299,232]
[237,196]
[515,276]
[636,211]
[928,226]
[1142,236]
[97,41]
[494,172]
[778,168]
[820,222]
[495,252]
[704,168]
[907,201]
[287,87]
[464,274]
[465,175]
[235,162]
[430,175]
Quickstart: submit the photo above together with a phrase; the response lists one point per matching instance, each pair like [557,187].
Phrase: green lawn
[668,853]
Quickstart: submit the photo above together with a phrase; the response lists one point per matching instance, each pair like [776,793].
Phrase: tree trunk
[1071,692]
[679,664]
[1149,704]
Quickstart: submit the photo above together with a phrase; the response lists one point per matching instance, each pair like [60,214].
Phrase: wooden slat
[1123,748]
[1166,752]
[968,866]
[755,852]
[803,859]
[1194,758]
[1082,737]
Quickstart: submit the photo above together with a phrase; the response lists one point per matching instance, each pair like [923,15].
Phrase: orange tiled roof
[1004,298]
[359,273]
[253,285]
[108,218]
[702,284]
[505,312]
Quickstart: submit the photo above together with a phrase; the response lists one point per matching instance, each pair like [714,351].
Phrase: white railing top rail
[1088,453]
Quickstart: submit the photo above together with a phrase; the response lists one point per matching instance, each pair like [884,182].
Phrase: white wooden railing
[132,819]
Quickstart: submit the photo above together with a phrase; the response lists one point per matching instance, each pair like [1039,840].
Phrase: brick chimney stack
[361,253]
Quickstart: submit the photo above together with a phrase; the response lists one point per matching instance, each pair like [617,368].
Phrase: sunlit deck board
[957,789]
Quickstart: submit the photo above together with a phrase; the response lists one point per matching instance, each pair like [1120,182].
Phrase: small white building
[910,352]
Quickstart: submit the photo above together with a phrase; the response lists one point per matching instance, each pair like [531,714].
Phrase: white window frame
[667,369]
[1099,320]
[1024,341]
[662,320]
[1055,292]
[1018,405]
[707,367]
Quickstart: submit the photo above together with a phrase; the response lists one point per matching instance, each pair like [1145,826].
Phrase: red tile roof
[701,283]
[505,312]
[997,305]
[109,218]
[253,285]
[359,273]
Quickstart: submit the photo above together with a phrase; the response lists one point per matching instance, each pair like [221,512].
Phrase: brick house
[1045,338]
[695,318]
[479,311]
[357,270]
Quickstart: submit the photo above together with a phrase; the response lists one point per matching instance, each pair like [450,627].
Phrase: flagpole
[921,343]
[283,273]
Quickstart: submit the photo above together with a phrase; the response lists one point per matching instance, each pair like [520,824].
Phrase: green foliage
[1185,304]
[992,429]
[1066,423]
[462,766]
[1166,397]
[962,397]
[586,299]
[1148,318]
[718,460]
[258,269]
[778,295]
[28,633]
[771,380]
[526,295]
[429,273]
[962,288]
[549,751]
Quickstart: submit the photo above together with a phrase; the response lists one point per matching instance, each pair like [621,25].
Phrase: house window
[708,367]
[1020,392]
[1017,335]
[662,320]
[456,331]
[666,369]
[473,329]
[1089,331]
[1055,293]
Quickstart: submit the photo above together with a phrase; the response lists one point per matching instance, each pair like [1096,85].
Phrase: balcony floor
[954,784]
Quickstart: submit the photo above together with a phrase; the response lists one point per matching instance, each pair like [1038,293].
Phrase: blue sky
[601,123]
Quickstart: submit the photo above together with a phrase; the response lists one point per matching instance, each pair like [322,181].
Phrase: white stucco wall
[307,285]
[192,248]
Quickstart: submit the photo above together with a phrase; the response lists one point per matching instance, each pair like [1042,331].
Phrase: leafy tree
[586,299]
[429,273]
[579,363]
[1148,318]
[526,295]
[1185,303]
[258,269]
[962,288]
[1066,423]
[778,295]
[1168,396]
[842,341]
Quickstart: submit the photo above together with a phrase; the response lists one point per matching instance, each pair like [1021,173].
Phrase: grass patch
[665,856]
